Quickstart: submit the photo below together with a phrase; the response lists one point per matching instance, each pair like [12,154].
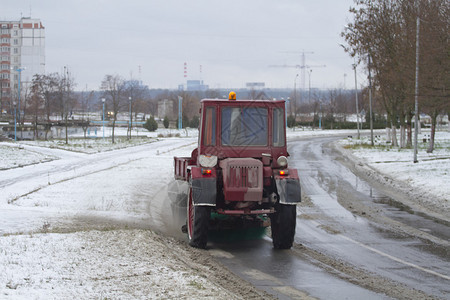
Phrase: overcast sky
[235,41]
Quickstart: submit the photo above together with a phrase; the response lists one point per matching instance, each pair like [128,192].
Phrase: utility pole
[180,112]
[66,91]
[309,89]
[416,99]
[131,120]
[295,100]
[370,103]
[356,97]
[320,115]
[103,101]
[303,67]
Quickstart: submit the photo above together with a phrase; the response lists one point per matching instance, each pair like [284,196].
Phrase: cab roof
[243,102]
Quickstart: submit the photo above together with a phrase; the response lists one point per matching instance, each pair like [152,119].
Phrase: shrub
[166,122]
[185,121]
[151,124]
[290,121]
[195,122]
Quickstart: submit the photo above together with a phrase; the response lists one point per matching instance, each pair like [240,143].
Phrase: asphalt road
[352,241]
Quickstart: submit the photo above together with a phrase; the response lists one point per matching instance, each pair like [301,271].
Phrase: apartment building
[22,55]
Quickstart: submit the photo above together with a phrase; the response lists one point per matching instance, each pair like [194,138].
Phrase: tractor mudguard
[204,187]
[288,187]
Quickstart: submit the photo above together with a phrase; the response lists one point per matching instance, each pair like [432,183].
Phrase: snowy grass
[60,266]
[91,145]
[15,156]
[431,174]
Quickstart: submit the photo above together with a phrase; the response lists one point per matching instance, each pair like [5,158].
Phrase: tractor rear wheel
[283,223]
[197,223]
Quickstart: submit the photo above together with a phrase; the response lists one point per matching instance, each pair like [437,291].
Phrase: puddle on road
[329,180]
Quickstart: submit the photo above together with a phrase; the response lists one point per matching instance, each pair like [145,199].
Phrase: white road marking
[396,258]
[388,255]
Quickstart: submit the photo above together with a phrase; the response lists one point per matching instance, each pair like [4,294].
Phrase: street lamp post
[416,92]
[370,103]
[15,122]
[309,90]
[295,99]
[180,112]
[288,102]
[356,97]
[103,101]
[19,71]
[320,115]
[129,98]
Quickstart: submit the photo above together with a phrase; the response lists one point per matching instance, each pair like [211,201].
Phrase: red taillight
[206,171]
[284,172]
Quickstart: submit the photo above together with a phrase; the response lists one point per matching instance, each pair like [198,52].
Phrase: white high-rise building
[22,53]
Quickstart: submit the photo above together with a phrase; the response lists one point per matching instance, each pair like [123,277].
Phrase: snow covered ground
[75,218]
[430,176]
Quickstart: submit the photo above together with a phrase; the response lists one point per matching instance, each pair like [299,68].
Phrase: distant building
[22,46]
[255,85]
[196,85]
[165,109]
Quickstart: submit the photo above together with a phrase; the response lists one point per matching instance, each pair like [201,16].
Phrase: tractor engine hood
[242,179]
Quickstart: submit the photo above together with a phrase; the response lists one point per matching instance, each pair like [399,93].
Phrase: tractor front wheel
[197,223]
[283,223]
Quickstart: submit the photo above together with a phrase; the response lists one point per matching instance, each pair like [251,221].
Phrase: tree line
[52,98]
[382,37]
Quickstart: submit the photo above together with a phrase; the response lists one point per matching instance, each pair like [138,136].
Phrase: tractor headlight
[207,161]
[282,161]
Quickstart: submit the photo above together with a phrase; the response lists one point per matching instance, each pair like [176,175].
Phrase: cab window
[209,130]
[278,128]
[244,126]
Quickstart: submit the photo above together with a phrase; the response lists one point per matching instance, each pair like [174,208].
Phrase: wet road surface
[375,248]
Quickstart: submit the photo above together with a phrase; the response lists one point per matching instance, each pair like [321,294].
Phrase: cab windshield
[244,126]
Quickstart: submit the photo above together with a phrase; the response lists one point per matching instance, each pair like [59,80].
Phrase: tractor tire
[197,223]
[283,223]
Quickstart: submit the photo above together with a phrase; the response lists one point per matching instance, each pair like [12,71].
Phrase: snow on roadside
[40,255]
[430,176]
[119,264]
[118,184]
[15,156]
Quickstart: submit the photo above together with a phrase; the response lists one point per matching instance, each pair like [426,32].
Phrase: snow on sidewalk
[430,176]
[64,238]
[119,264]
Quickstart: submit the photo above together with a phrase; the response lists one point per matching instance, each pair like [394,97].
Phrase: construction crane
[303,67]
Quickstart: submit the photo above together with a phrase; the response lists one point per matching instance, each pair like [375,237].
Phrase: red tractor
[238,174]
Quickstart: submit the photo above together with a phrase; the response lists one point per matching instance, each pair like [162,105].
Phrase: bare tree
[45,87]
[114,91]
[191,104]
[67,100]
[36,105]
[386,30]
[85,99]
[332,106]
[378,31]
[137,94]
[435,63]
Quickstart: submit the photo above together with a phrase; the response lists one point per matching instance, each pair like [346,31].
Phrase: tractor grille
[244,176]
[242,179]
